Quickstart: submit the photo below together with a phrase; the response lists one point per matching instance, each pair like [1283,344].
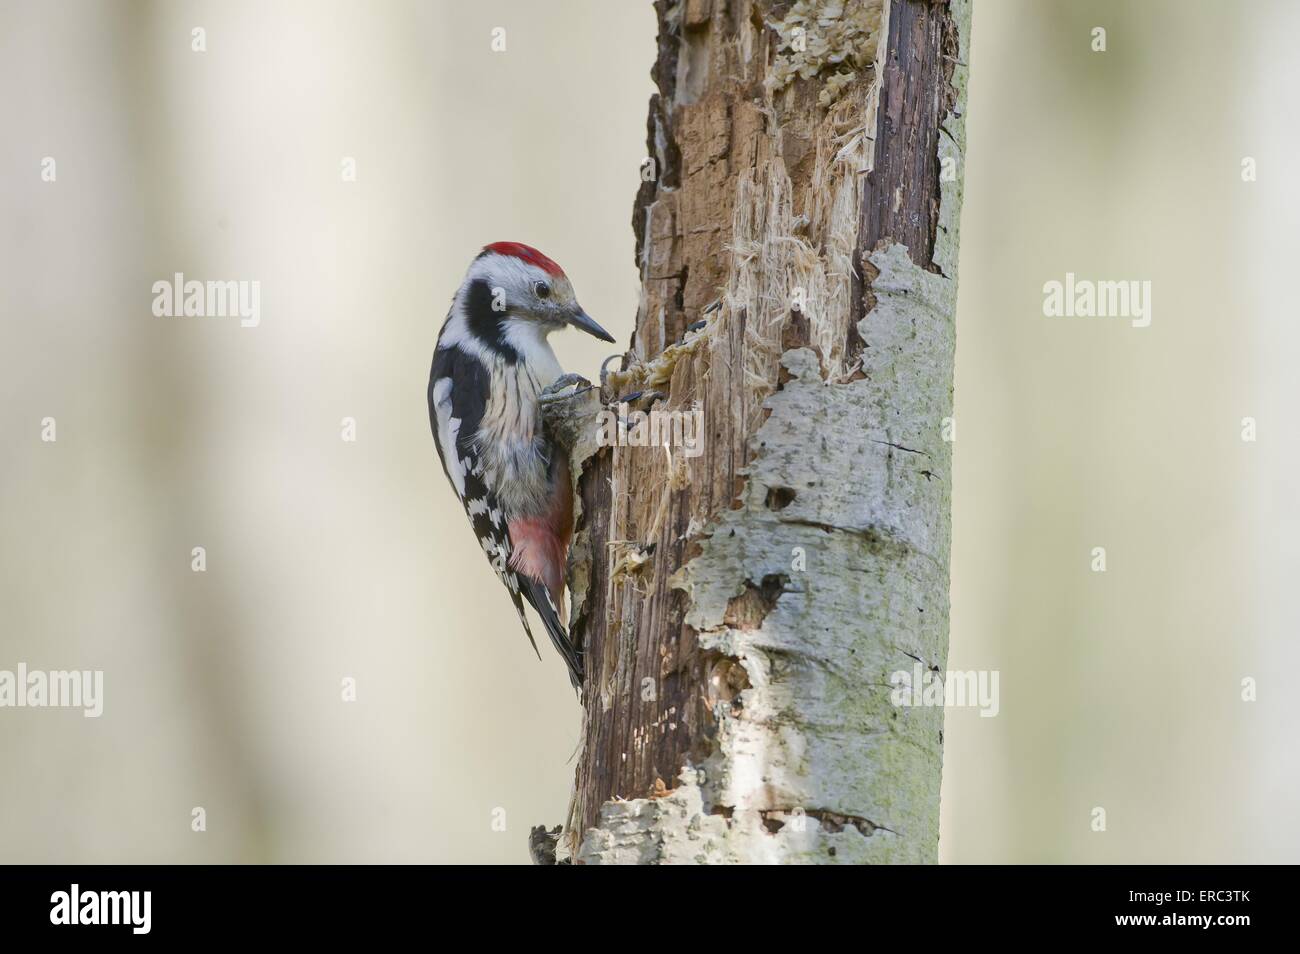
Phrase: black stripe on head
[486,324]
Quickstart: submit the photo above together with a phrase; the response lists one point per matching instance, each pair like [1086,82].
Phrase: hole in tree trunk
[778,498]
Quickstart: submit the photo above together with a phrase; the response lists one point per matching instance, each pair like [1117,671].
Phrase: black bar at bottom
[337,903]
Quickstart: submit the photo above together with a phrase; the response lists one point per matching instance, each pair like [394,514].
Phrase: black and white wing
[458,395]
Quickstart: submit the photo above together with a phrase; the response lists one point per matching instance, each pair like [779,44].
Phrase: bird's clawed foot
[554,392]
[649,396]
[567,414]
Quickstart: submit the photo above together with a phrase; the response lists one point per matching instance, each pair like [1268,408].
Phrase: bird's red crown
[525,253]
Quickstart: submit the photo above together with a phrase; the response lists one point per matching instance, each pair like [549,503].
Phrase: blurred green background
[328,559]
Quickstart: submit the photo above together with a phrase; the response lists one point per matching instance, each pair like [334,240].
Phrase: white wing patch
[448,432]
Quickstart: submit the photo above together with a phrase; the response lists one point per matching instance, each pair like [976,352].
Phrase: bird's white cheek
[528,338]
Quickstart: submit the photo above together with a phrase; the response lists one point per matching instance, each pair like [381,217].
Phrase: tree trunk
[742,611]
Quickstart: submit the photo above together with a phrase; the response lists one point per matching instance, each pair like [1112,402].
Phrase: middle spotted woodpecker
[492,368]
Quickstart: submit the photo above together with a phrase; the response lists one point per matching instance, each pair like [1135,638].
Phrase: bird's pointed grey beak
[584,322]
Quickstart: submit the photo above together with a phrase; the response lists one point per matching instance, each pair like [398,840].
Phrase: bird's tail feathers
[540,597]
[528,630]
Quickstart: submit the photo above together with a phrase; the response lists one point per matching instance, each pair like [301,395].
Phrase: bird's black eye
[541,289]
